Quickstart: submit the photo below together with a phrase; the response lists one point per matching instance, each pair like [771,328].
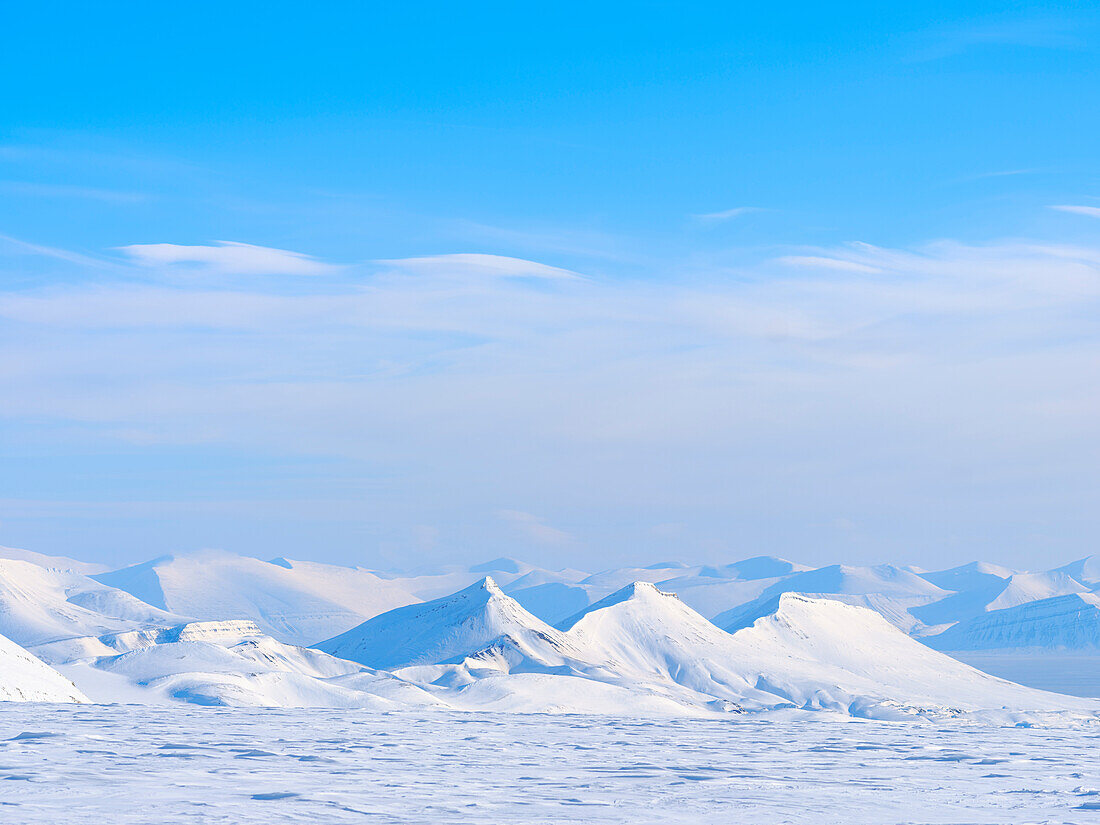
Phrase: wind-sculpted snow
[89,765]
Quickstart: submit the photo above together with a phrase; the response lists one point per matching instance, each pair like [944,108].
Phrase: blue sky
[582,284]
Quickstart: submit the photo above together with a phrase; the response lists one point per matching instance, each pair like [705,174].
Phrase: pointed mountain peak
[643,589]
[486,585]
[436,631]
[633,591]
[636,593]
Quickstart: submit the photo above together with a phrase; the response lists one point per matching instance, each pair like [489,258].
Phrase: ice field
[129,764]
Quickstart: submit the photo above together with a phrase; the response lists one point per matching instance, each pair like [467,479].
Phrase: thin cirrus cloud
[727,214]
[479,265]
[1088,211]
[56,190]
[1036,33]
[228,258]
[460,395]
[823,262]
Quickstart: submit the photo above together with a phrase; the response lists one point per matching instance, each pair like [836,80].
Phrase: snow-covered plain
[119,764]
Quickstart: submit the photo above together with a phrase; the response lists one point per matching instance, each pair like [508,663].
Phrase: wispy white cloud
[822,262]
[55,190]
[52,252]
[229,258]
[1034,32]
[654,396]
[553,239]
[727,214]
[1089,211]
[479,265]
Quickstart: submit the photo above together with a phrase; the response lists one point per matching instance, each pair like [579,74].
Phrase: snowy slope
[709,589]
[533,668]
[1086,571]
[229,663]
[229,637]
[970,576]
[824,652]
[882,579]
[296,602]
[1070,622]
[1031,587]
[812,653]
[58,562]
[981,588]
[891,591]
[23,678]
[644,651]
[40,605]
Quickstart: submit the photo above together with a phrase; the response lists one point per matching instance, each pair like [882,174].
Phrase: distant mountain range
[759,635]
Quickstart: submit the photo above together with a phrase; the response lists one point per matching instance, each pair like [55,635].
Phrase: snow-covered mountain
[982,589]
[293,601]
[821,651]
[758,635]
[1069,622]
[710,589]
[40,604]
[889,590]
[235,664]
[1086,571]
[436,631]
[56,562]
[24,678]
[643,650]
[304,602]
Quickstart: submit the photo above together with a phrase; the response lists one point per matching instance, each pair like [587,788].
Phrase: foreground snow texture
[98,764]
